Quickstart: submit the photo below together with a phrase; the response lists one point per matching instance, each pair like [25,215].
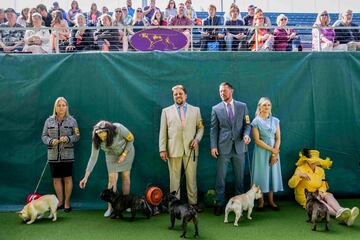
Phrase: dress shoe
[197,208]
[60,207]
[218,210]
[67,210]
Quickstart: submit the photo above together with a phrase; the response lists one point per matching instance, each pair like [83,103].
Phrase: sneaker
[354,214]
[197,208]
[343,215]
[108,213]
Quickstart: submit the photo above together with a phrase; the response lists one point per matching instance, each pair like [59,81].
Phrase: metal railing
[250,38]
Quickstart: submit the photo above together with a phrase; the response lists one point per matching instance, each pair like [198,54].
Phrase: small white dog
[36,209]
[242,202]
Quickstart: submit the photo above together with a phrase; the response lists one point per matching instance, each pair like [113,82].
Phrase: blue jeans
[238,164]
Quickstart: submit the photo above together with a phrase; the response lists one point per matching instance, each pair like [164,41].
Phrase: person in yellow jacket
[310,175]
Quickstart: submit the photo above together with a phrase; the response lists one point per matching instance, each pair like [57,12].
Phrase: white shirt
[232,106]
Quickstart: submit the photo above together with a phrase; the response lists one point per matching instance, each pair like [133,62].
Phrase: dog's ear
[173,193]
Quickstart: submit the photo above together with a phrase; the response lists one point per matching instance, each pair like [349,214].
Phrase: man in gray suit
[230,130]
[181,130]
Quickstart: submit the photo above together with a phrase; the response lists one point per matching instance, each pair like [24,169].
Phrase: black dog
[184,211]
[121,202]
[316,210]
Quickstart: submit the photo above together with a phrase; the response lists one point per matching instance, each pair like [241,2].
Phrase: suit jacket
[175,139]
[223,134]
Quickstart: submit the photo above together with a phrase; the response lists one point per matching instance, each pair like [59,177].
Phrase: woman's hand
[304,176]
[83,182]
[121,158]
[275,151]
[273,160]
[64,139]
[55,142]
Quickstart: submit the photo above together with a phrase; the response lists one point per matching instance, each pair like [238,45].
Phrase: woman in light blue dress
[266,168]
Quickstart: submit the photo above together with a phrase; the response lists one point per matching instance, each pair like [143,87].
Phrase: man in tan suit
[181,130]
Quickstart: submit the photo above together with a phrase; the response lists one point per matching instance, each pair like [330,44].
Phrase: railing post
[57,37]
[191,39]
[256,39]
[319,39]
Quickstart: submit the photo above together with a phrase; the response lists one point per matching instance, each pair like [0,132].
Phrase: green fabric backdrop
[316,96]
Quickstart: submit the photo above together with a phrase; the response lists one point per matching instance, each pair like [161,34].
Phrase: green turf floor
[288,223]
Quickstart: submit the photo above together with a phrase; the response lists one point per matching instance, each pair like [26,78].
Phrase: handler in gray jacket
[59,134]
[230,130]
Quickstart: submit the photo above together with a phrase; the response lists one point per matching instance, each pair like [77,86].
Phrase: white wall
[199,5]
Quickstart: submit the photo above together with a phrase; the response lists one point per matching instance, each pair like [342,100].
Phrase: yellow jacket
[315,183]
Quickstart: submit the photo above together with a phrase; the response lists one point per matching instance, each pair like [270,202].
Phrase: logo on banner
[159,39]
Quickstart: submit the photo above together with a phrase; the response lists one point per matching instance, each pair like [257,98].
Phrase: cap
[8,10]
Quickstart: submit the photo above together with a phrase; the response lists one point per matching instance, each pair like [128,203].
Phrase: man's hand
[164,156]
[194,144]
[247,139]
[214,152]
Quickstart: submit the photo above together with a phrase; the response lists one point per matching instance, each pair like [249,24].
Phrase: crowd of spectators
[254,32]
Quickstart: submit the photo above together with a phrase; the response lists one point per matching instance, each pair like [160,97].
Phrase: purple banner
[160,39]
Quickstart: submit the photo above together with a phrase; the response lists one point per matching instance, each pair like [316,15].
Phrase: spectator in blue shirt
[234,36]
[130,10]
[212,34]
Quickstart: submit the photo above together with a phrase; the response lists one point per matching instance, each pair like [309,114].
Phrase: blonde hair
[260,103]
[318,22]
[56,103]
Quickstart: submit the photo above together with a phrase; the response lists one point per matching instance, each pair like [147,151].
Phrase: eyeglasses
[324,15]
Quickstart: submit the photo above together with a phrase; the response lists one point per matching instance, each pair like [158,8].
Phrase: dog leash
[42,174]
[182,176]
[248,160]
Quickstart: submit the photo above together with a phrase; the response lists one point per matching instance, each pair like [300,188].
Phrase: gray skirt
[113,165]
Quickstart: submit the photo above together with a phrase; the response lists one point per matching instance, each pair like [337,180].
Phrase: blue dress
[268,177]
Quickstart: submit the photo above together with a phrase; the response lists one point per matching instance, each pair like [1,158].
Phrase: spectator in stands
[323,35]
[72,13]
[57,7]
[170,10]
[93,15]
[233,36]
[29,22]
[285,39]
[63,34]
[2,16]
[108,39]
[46,17]
[118,21]
[309,174]
[350,35]
[212,34]
[138,21]
[227,15]
[129,8]
[105,10]
[37,40]
[24,15]
[81,39]
[248,19]
[267,21]
[150,10]
[127,18]
[157,19]
[11,40]
[264,40]
[118,144]
[182,20]
[190,11]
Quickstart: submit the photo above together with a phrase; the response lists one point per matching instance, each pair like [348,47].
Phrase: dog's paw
[183,235]
[236,225]
[30,222]
[250,218]
[226,221]
[170,227]
[196,235]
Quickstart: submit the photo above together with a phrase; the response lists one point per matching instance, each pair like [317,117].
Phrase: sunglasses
[138,10]
[118,11]
[283,19]
[260,18]
[324,15]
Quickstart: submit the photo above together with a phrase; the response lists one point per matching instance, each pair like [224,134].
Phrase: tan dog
[36,209]
[242,202]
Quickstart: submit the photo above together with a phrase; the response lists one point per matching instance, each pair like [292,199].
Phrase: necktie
[230,113]
[182,115]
